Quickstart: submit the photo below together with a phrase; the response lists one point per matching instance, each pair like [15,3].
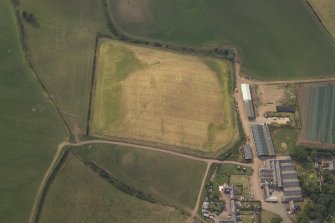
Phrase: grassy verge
[167,178]
[30,126]
[79,195]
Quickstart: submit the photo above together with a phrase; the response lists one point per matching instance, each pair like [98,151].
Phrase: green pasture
[168,178]
[284,140]
[267,216]
[79,195]
[278,39]
[61,49]
[30,128]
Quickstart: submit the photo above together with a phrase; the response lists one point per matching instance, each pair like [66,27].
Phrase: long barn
[263,141]
[247,100]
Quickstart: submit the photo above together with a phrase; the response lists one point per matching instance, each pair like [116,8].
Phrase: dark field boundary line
[318,20]
[93,86]
[24,45]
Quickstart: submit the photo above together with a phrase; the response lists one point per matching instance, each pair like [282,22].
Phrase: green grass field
[62,52]
[170,179]
[266,216]
[79,195]
[284,140]
[278,39]
[30,128]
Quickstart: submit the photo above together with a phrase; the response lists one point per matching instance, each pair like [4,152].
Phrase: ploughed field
[317,102]
[78,195]
[163,97]
[325,9]
[278,39]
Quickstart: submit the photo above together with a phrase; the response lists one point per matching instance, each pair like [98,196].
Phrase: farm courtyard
[163,97]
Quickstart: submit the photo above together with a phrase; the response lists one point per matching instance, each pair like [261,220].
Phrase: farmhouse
[328,165]
[246,94]
[263,141]
[280,174]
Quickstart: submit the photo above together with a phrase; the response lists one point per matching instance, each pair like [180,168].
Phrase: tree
[314,154]
[30,18]
[299,154]
[276,219]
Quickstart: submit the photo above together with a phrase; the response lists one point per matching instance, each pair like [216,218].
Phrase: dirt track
[257,192]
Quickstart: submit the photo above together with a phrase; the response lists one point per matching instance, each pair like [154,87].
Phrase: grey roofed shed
[263,141]
[247,153]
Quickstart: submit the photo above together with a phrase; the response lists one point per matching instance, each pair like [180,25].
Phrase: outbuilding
[247,100]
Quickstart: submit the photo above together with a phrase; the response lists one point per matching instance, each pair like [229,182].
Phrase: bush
[276,219]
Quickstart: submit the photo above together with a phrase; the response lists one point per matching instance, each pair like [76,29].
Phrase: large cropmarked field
[325,9]
[79,195]
[167,178]
[163,97]
[30,128]
[61,46]
[278,39]
[318,113]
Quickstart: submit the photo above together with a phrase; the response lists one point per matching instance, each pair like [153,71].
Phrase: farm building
[263,141]
[247,153]
[280,174]
[247,100]
[285,109]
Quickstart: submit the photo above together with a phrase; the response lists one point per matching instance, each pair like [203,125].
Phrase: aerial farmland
[145,111]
